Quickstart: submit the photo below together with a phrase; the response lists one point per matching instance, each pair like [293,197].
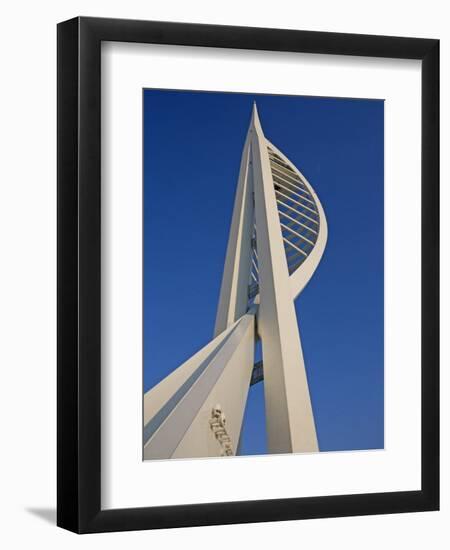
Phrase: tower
[277,237]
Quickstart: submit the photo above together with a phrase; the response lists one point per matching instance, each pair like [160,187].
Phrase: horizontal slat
[255,266]
[280,163]
[296,234]
[295,265]
[296,202]
[301,197]
[298,212]
[292,259]
[307,195]
[291,176]
[287,174]
[287,241]
[296,221]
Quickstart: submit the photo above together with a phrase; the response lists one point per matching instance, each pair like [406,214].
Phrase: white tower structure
[277,237]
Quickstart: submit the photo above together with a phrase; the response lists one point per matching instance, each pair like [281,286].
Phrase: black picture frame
[79,275]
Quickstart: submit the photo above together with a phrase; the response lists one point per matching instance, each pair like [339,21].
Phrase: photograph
[223,275]
[263,274]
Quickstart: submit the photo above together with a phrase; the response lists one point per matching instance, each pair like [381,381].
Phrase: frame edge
[67,275]
[78,136]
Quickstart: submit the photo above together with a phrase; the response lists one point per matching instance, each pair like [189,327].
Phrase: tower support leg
[289,415]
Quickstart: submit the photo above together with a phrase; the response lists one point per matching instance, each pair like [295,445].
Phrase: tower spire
[255,122]
[277,237]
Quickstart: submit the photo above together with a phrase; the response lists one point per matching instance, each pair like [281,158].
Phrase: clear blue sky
[192,148]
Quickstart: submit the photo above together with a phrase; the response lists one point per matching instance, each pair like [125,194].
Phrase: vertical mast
[233,301]
[289,415]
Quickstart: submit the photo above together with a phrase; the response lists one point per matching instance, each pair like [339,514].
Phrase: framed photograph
[248,288]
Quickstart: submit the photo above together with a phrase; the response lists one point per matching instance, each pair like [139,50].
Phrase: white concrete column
[197,411]
[290,421]
[234,290]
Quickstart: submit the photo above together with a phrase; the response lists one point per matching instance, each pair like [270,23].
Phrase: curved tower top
[303,223]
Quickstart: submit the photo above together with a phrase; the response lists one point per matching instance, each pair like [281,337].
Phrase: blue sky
[192,148]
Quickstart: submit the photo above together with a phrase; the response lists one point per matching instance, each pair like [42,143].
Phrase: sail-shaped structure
[277,237]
